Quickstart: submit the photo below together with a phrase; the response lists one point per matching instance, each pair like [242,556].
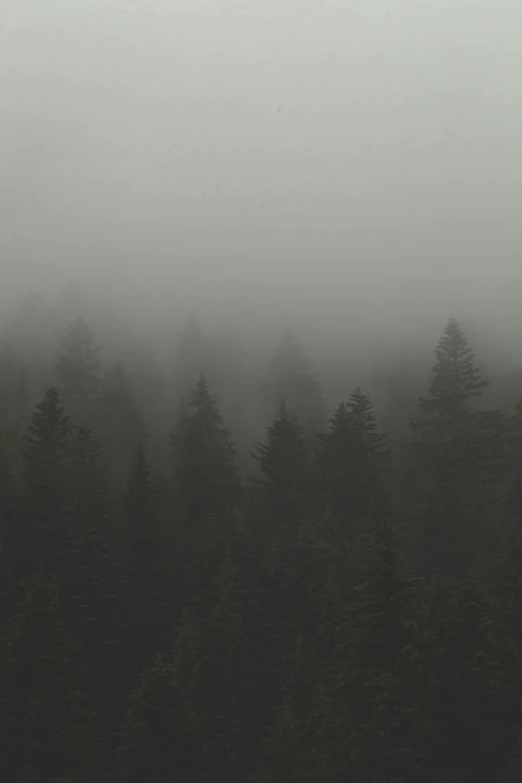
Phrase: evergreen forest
[213,574]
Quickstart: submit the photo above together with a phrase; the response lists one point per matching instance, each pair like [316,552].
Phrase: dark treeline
[214,575]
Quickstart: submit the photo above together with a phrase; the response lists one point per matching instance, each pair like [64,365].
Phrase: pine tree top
[455,379]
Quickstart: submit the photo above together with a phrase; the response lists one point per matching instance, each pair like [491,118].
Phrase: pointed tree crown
[455,379]
[290,376]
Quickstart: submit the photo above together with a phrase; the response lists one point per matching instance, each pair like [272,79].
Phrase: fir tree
[193,358]
[377,690]
[77,373]
[455,379]
[157,739]
[285,487]
[47,730]
[449,462]
[122,422]
[361,412]
[352,466]
[277,541]
[285,756]
[87,546]
[470,708]
[207,481]
[210,651]
[290,378]
[46,459]
[139,585]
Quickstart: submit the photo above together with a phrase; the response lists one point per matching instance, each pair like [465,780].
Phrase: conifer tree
[285,486]
[121,420]
[448,459]
[46,460]
[7,498]
[470,709]
[207,481]
[285,755]
[157,739]
[290,378]
[278,541]
[374,700]
[77,373]
[177,436]
[193,358]
[139,585]
[455,380]
[211,654]
[46,729]
[352,466]
[87,545]
[361,412]
[9,522]
[7,384]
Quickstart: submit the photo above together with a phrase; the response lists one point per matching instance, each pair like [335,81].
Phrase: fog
[251,527]
[332,165]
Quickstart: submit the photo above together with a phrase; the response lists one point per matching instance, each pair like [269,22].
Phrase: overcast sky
[331,150]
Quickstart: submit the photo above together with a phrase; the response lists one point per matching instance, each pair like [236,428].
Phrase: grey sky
[336,150]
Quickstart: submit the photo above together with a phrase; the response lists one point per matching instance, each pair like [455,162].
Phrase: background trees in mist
[279,593]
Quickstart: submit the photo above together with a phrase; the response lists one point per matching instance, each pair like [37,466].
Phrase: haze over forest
[258,529]
[337,164]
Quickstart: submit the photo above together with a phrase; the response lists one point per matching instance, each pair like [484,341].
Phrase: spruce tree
[278,540]
[448,460]
[361,412]
[352,467]
[46,729]
[285,753]
[9,534]
[157,739]
[45,488]
[472,708]
[455,380]
[207,480]
[211,654]
[121,422]
[193,358]
[285,487]
[291,378]
[77,373]
[138,581]
[374,698]
[87,547]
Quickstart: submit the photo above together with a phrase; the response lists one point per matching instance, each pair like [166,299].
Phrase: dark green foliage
[139,586]
[86,546]
[207,481]
[45,490]
[459,463]
[211,653]
[473,707]
[372,699]
[455,380]
[121,422]
[352,464]
[177,438]
[46,730]
[193,359]
[291,379]
[77,373]
[285,487]
[269,632]
[157,739]
[286,748]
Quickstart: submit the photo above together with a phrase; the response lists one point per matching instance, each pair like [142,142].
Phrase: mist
[260,390]
[332,165]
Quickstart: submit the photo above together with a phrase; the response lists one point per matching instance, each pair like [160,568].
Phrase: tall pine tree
[77,373]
